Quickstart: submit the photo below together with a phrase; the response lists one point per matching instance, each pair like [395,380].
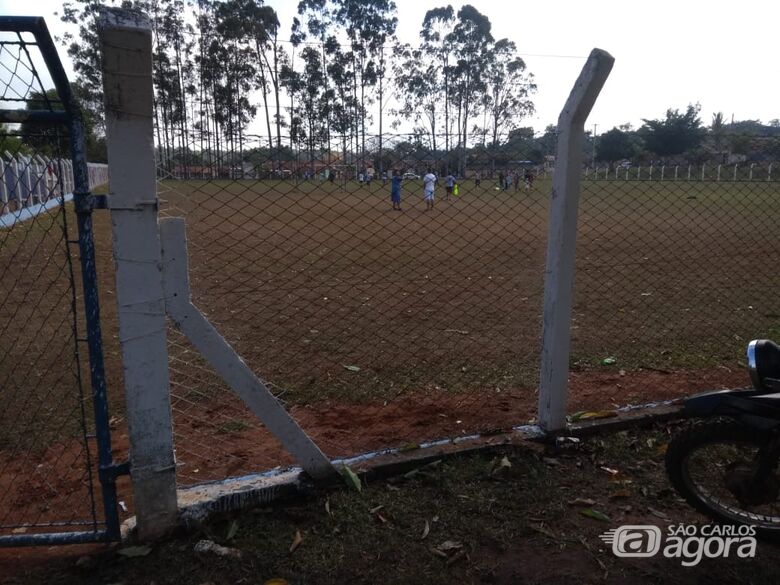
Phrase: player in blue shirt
[395,189]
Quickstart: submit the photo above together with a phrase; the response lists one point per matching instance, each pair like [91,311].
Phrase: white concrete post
[703,168]
[3,187]
[769,173]
[561,240]
[735,172]
[42,190]
[689,172]
[663,169]
[750,177]
[27,171]
[718,174]
[126,44]
[16,182]
[676,168]
[638,172]
[650,176]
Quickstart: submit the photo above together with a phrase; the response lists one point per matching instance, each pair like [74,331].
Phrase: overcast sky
[667,53]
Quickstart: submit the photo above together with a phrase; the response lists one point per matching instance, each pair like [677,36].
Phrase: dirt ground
[533,517]
[380,328]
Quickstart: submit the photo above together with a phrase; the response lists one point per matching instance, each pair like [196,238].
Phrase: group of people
[505,181]
[451,186]
[429,188]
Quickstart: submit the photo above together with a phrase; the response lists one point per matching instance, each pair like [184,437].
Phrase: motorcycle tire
[713,433]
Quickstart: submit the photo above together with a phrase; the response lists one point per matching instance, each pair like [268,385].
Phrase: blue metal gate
[57,475]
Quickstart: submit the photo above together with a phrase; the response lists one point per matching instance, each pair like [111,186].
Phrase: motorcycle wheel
[711,465]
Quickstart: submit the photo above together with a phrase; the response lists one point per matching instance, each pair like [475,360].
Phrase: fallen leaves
[624,493]
[592,415]
[659,514]
[449,545]
[209,546]
[375,512]
[351,478]
[542,530]
[297,541]
[594,514]
[232,530]
[498,466]
[425,531]
[135,551]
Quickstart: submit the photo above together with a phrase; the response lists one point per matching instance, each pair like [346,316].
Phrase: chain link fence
[376,326]
[48,471]
[674,275]
[382,327]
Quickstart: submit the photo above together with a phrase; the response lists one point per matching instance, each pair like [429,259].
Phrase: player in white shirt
[429,183]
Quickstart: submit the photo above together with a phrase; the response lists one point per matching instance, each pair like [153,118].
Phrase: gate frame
[84,203]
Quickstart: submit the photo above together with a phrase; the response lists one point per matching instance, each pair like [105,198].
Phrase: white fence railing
[703,172]
[31,184]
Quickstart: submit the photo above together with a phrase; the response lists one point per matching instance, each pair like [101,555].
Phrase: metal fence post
[561,239]
[126,44]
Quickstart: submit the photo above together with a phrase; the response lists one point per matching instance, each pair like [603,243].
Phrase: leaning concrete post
[126,44]
[561,238]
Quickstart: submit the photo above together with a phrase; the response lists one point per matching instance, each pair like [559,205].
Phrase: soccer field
[308,278]
[381,328]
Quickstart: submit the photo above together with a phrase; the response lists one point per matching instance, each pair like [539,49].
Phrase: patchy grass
[507,518]
[234,426]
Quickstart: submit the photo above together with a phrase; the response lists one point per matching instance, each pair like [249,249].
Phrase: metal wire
[47,474]
[380,328]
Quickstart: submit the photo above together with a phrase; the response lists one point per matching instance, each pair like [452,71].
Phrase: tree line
[682,137]
[333,85]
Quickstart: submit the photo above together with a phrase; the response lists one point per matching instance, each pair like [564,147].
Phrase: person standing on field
[395,190]
[429,185]
[449,184]
[529,180]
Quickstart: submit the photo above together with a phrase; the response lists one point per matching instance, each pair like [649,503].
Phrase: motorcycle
[726,468]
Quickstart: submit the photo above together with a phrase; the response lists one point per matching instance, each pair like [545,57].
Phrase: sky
[667,53]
